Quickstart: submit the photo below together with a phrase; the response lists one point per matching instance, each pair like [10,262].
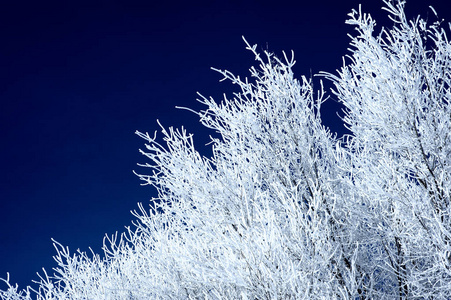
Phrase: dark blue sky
[77,79]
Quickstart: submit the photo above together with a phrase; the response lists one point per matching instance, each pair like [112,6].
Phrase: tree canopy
[284,209]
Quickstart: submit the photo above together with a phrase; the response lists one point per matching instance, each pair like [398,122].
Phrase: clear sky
[78,78]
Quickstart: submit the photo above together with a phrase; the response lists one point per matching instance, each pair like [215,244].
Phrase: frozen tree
[285,210]
[397,94]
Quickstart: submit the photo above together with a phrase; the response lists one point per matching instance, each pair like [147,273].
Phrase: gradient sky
[77,79]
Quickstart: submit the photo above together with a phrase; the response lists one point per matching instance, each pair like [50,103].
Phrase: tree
[397,92]
[284,209]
